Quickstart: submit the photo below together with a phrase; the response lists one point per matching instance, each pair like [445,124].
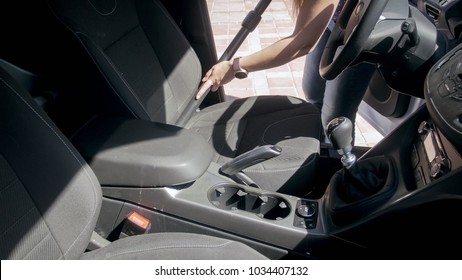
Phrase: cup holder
[231,197]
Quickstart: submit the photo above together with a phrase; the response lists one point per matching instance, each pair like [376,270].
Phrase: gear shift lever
[339,132]
[360,187]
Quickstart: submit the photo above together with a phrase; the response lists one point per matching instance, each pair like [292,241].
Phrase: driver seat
[155,73]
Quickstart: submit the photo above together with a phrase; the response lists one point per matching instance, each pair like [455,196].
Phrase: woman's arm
[312,20]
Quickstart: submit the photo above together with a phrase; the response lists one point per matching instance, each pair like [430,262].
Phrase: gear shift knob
[339,132]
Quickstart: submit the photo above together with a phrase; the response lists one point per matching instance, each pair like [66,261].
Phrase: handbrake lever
[247,159]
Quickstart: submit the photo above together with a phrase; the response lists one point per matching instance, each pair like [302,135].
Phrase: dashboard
[445,14]
[443,95]
[438,144]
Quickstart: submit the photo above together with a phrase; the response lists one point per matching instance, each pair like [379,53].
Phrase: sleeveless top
[339,9]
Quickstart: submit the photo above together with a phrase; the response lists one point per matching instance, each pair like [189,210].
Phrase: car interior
[106,154]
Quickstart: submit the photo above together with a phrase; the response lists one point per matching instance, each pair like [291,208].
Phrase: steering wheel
[352,29]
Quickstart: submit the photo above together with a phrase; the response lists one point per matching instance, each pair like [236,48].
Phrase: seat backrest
[49,197]
[140,51]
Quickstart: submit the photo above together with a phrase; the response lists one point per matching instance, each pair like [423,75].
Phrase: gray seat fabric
[50,199]
[174,246]
[155,72]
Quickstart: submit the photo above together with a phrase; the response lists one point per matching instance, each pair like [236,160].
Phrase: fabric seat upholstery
[155,72]
[50,199]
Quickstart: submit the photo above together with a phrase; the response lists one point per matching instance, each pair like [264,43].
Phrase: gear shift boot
[355,192]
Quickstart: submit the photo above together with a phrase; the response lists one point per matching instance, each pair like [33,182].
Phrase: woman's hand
[220,74]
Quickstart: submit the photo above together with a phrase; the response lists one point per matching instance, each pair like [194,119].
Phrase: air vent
[432,12]
[443,2]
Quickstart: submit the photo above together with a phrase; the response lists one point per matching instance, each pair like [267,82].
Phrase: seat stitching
[9,184]
[91,56]
[187,246]
[226,142]
[243,122]
[279,121]
[160,111]
[190,49]
[192,124]
[118,74]
[211,111]
[119,38]
[17,221]
[48,236]
[104,14]
[305,164]
[281,170]
[83,126]
[209,138]
[69,150]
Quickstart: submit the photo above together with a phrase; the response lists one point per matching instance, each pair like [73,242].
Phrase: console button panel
[428,156]
[306,214]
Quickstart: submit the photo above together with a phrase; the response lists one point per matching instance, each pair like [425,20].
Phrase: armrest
[130,152]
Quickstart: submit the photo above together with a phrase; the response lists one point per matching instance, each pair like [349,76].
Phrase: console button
[306,211]
[306,214]
[424,128]
[450,85]
[442,91]
[447,87]
[438,168]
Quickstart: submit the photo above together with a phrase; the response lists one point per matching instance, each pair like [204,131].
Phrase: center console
[408,185]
